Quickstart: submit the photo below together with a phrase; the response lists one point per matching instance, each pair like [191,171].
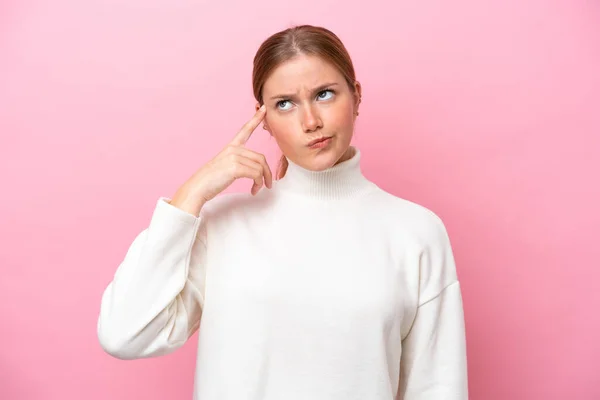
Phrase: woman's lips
[319,144]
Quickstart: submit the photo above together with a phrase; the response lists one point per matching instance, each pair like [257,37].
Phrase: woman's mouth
[320,143]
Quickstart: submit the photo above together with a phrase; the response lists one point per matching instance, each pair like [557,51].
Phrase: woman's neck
[343,180]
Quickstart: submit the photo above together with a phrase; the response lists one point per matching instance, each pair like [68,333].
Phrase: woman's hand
[235,161]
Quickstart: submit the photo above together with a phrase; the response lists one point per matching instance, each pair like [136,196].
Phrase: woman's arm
[434,360]
[154,302]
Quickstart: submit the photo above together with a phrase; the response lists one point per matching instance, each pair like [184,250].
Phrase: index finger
[244,134]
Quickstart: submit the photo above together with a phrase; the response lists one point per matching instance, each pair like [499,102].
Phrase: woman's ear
[357,96]
[265,126]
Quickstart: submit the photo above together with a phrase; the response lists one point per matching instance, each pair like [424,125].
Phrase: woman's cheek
[281,130]
[280,124]
[340,117]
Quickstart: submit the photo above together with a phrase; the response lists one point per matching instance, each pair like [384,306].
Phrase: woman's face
[308,99]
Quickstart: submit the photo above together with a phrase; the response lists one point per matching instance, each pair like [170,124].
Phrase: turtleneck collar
[343,180]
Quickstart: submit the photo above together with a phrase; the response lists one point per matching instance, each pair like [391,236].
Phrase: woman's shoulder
[233,204]
[405,214]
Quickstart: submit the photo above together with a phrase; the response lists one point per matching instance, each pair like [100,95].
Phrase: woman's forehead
[301,73]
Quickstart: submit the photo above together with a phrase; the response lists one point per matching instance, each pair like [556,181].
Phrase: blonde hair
[289,43]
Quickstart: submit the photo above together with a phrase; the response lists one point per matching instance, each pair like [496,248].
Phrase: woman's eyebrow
[315,90]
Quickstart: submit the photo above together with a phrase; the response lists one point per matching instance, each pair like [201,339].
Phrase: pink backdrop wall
[486,112]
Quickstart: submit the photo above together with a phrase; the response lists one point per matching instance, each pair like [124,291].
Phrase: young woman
[317,285]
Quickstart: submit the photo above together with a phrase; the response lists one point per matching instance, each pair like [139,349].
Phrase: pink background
[486,112]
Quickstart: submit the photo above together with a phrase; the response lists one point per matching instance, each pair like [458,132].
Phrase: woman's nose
[311,120]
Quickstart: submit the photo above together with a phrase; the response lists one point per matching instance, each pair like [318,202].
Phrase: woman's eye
[283,104]
[325,95]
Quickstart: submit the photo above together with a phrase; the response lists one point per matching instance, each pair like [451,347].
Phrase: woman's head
[306,79]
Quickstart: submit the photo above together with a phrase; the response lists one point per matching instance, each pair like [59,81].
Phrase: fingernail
[263,107]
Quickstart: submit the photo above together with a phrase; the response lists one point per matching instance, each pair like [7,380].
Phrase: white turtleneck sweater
[324,287]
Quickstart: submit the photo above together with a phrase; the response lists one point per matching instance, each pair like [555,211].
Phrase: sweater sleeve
[434,361]
[154,302]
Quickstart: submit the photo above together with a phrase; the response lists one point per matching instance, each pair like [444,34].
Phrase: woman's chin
[325,159]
